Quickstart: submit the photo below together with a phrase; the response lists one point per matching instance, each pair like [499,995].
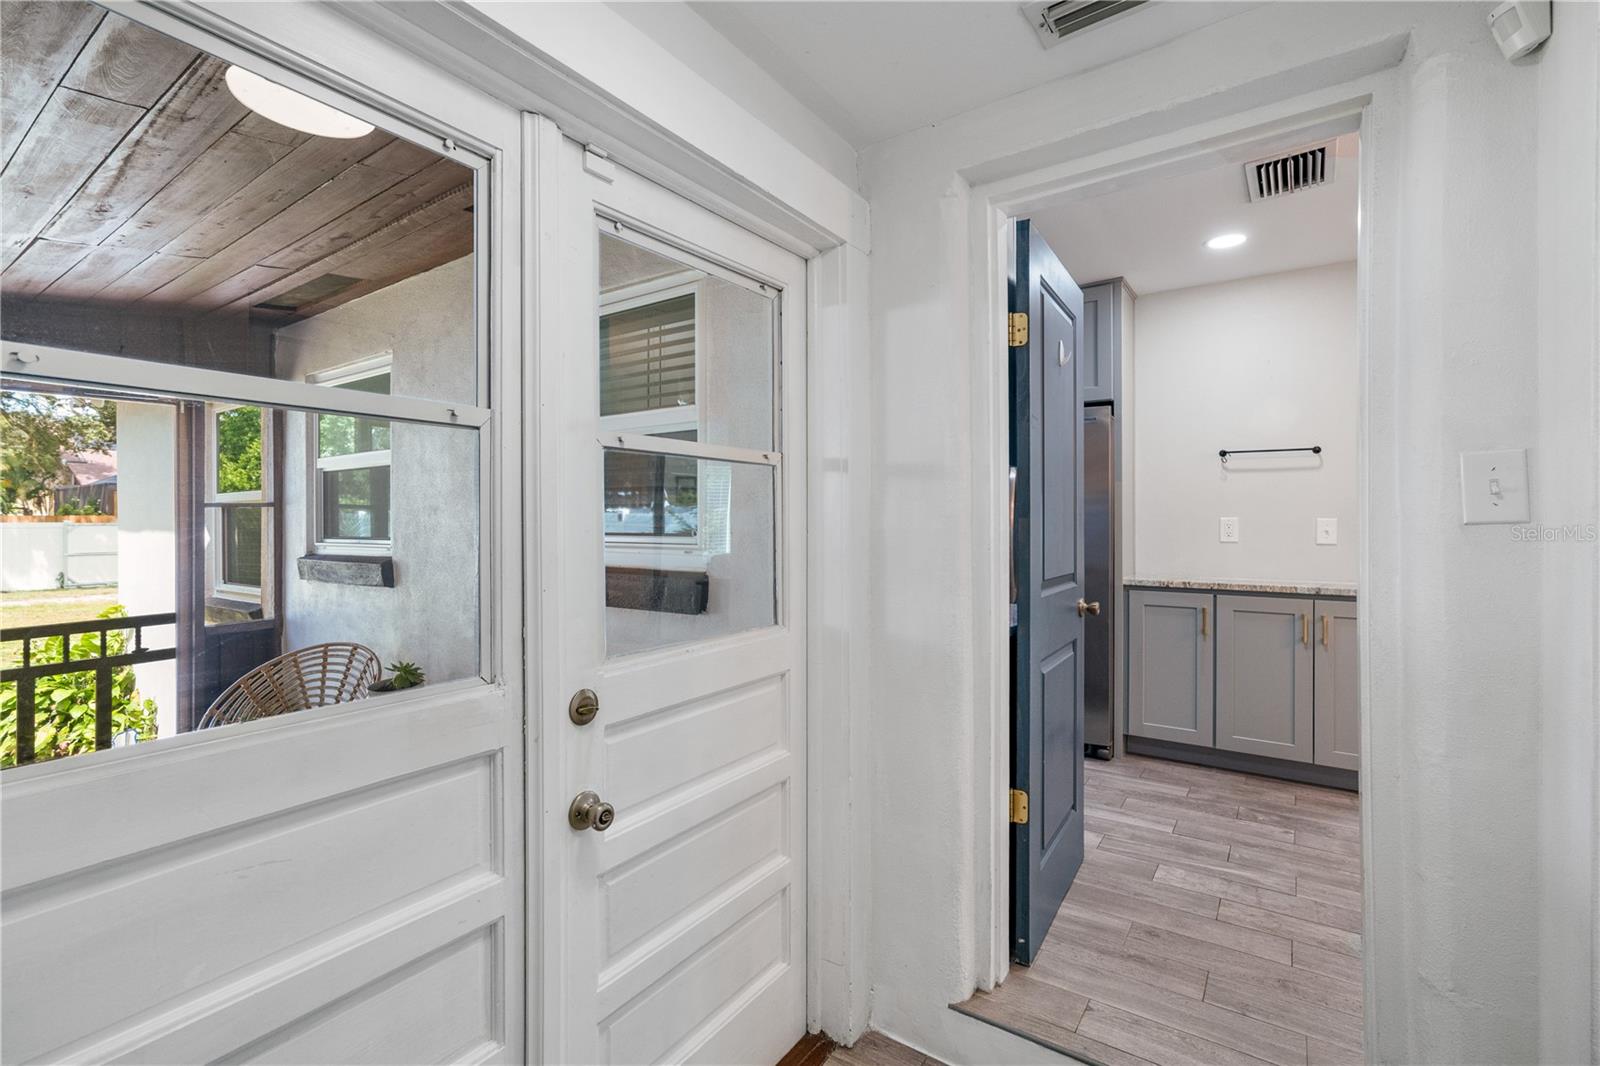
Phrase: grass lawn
[48,605]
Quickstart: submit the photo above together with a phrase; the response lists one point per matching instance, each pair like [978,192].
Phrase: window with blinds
[647,357]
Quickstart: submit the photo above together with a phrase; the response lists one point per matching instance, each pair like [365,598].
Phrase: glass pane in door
[690,549]
[684,352]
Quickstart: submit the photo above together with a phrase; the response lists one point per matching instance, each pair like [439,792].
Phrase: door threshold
[988,1007]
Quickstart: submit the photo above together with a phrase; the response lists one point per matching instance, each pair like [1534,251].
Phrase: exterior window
[352,467]
[237,500]
[648,371]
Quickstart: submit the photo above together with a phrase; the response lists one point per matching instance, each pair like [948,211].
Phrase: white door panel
[341,885]
[683,929]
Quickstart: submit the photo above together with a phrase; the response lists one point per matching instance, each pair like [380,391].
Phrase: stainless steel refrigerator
[1099,573]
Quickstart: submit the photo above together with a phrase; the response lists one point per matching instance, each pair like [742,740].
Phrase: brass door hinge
[1019,807]
[1017,328]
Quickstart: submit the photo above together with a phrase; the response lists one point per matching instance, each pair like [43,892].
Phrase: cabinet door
[1170,665]
[1338,703]
[1264,666]
[1099,360]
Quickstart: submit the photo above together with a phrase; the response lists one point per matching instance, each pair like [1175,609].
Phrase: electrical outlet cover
[1228,530]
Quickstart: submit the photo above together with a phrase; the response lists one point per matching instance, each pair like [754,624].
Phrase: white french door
[677,932]
[336,885]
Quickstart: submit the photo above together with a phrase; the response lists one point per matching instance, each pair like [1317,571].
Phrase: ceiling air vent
[1304,168]
[1054,21]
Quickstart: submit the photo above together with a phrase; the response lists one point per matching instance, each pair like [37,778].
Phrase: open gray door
[1047,559]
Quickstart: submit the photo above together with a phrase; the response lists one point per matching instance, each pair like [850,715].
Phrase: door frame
[992,206]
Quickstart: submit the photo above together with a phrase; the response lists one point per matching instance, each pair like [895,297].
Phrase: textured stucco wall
[431,615]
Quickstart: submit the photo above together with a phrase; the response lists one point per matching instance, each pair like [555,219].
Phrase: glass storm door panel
[681,581]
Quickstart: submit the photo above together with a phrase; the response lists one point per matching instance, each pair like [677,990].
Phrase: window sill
[653,557]
[371,571]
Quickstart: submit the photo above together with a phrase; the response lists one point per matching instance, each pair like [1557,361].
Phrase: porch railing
[103,665]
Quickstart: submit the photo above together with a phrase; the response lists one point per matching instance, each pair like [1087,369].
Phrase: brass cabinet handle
[1204,615]
[1305,630]
[1325,631]
[1085,607]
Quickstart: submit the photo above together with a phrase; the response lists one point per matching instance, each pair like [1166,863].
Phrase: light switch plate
[1327,531]
[1494,487]
[1228,530]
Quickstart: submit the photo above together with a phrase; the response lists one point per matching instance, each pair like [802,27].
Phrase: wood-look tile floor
[1216,919]
[875,1049]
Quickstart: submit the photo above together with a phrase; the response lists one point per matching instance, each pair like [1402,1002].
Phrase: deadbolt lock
[1086,607]
[589,811]
[583,706]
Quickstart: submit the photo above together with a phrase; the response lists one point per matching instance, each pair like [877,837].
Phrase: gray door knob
[589,811]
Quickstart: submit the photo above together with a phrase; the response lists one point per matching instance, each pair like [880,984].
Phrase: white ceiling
[1153,233]
[873,69]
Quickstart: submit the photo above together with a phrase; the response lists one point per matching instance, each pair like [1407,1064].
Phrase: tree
[239,450]
[36,430]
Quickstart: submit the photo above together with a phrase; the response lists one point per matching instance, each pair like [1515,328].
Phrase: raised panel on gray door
[1338,703]
[1170,636]
[1264,686]
[1100,343]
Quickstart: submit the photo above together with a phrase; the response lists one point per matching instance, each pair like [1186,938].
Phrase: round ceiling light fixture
[1223,241]
[289,108]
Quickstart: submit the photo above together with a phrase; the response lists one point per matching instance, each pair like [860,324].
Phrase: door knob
[1085,607]
[589,811]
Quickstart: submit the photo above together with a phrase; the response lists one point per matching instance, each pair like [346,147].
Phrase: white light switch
[1228,530]
[1327,531]
[1494,487]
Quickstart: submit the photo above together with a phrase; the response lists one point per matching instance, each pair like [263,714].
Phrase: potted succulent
[402,674]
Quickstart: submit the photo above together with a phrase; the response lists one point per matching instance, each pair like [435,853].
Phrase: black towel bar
[1314,449]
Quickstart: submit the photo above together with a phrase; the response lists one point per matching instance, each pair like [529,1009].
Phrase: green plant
[405,675]
[64,703]
[79,507]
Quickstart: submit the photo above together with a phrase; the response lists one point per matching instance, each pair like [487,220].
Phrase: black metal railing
[104,667]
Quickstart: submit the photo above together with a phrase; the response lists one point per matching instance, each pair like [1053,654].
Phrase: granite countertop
[1282,588]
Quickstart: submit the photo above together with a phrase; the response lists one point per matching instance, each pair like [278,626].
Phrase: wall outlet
[1327,531]
[1228,530]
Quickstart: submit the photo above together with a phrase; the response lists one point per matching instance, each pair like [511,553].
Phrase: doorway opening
[1209,541]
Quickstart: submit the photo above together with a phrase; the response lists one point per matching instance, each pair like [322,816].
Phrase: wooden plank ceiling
[132,178]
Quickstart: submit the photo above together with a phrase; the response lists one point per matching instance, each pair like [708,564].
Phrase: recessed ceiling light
[289,108]
[1224,241]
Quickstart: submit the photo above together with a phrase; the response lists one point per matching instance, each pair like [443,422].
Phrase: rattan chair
[315,676]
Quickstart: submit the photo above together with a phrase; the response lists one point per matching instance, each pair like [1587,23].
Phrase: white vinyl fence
[48,555]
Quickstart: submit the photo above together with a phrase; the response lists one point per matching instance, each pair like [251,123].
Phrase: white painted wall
[1459,785]
[1265,362]
[147,515]
[1566,362]
[430,616]
[41,555]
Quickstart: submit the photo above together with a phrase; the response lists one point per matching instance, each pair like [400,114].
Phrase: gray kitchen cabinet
[1338,703]
[1264,676]
[1170,664]
[1102,308]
